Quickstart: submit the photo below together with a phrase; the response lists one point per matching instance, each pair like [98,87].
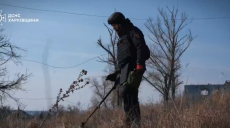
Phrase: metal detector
[114,87]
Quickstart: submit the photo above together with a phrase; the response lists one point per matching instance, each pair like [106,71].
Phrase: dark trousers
[130,98]
[131,104]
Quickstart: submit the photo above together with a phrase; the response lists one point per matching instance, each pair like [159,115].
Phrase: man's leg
[130,98]
[131,105]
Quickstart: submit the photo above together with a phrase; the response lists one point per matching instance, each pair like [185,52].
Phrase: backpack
[147,52]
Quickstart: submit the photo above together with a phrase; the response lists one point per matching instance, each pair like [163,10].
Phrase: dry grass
[209,113]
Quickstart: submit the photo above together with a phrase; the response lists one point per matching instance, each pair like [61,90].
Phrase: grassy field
[208,113]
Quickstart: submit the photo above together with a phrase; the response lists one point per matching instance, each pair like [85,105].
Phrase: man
[132,52]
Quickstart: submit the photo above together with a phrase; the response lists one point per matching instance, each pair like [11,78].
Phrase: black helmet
[116,18]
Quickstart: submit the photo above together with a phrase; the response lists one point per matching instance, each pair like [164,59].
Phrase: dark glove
[112,77]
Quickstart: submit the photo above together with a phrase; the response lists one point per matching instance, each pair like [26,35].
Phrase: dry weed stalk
[74,86]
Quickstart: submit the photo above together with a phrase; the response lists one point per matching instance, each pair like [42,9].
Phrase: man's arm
[139,42]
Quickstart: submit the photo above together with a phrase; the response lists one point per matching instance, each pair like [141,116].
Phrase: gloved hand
[140,68]
[112,77]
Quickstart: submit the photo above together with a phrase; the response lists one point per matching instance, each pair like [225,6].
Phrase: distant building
[195,92]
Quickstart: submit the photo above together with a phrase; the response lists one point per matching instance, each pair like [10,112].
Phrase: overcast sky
[73,40]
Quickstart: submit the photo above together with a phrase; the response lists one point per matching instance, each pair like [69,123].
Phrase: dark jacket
[138,40]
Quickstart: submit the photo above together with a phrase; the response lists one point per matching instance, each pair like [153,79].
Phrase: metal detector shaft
[114,87]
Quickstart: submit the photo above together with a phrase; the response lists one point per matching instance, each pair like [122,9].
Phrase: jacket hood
[125,28]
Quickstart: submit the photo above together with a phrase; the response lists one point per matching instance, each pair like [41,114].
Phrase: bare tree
[100,91]
[9,52]
[111,60]
[167,49]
